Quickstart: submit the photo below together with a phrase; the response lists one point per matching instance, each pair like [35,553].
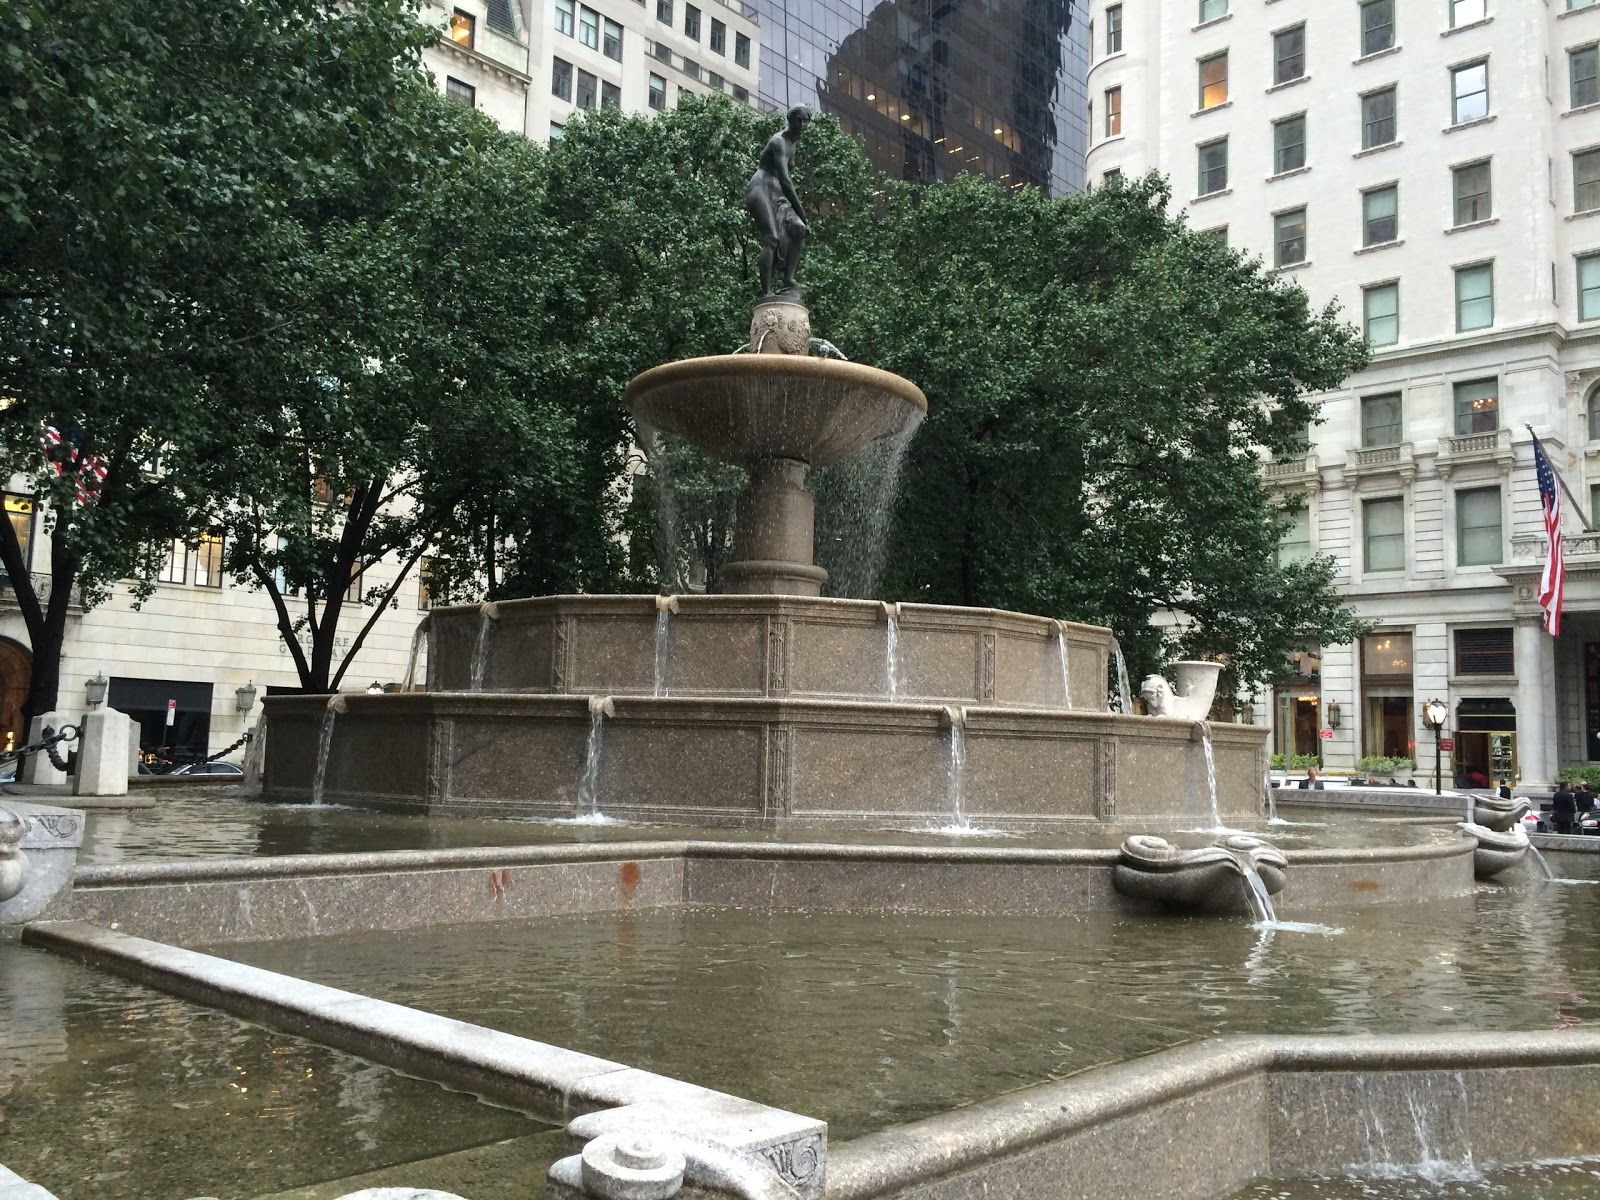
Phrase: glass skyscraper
[935,87]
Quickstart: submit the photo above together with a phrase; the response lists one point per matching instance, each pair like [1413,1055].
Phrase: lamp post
[1434,715]
[244,699]
[94,691]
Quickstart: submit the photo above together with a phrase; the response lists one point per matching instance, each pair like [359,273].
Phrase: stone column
[102,755]
[1536,707]
[38,768]
[774,533]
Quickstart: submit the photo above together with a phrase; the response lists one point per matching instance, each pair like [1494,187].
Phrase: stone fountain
[769,704]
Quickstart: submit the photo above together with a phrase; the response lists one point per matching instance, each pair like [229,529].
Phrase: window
[662,52]
[1484,652]
[610,95]
[1380,420]
[664,11]
[691,68]
[719,37]
[1377,26]
[425,581]
[1380,311]
[1214,80]
[1289,54]
[658,93]
[557,132]
[175,563]
[1289,144]
[1478,527]
[1582,67]
[741,50]
[208,561]
[1575,5]
[1294,538]
[1477,406]
[742,95]
[280,577]
[1380,215]
[356,591]
[612,47]
[463,29]
[1469,93]
[1470,185]
[1383,526]
[589,28]
[1213,167]
[19,511]
[1589,287]
[1465,12]
[561,79]
[1474,297]
[588,90]
[1113,112]
[564,18]
[1114,29]
[1586,181]
[1112,176]
[460,91]
[691,22]
[1218,235]
[714,81]
[1289,238]
[1213,10]
[1377,118]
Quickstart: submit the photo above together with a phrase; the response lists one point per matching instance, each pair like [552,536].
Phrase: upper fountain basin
[744,407]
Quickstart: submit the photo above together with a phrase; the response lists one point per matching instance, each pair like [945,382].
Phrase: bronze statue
[780,217]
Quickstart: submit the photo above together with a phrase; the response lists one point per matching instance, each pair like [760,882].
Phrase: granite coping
[47,827]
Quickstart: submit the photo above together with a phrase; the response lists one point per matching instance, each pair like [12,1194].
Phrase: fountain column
[774,532]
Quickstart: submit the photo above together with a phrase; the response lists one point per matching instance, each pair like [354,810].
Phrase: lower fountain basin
[1497,851]
[760,762]
[1491,812]
[1202,879]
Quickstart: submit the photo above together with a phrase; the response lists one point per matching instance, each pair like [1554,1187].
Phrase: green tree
[143,148]
[1101,384]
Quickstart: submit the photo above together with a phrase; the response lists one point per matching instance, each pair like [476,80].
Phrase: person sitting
[1411,783]
[1563,809]
[1311,782]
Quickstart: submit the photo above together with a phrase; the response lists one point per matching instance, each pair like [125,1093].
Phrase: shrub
[1589,775]
[1378,764]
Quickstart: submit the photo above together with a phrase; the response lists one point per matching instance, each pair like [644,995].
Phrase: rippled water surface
[1551,1181]
[870,1021]
[110,1090]
[215,824]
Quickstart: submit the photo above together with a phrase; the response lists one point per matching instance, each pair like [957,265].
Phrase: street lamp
[374,688]
[244,698]
[1434,715]
[94,691]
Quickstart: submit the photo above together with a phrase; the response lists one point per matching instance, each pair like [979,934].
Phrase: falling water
[1066,678]
[1544,864]
[955,776]
[855,503]
[487,614]
[1124,689]
[894,667]
[589,786]
[417,635]
[663,616]
[1211,773]
[336,705]
[1272,799]
[1255,892]
[827,349]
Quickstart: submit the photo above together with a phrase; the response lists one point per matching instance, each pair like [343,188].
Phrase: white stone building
[531,65]
[1434,166]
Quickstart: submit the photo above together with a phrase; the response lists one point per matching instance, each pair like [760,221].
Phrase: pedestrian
[1311,782]
[1504,791]
[1563,808]
[1584,794]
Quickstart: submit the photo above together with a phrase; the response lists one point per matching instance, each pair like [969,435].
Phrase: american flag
[61,451]
[1553,582]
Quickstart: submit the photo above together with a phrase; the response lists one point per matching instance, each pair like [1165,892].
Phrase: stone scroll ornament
[779,216]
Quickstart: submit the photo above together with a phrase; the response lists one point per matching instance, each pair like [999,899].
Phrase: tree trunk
[44,694]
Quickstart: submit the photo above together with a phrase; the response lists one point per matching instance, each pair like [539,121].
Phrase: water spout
[1544,864]
[600,707]
[417,636]
[487,614]
[1255,892]
[956,769]
[827,349]
[893,667]
[1272,799]
[1204,730]
[1066,677]
[1124,688]
[336,705]
[665,607]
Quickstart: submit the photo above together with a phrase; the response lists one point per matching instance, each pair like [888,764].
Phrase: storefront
[1298,715]
[1388,725]
[174,716]
[1486,743]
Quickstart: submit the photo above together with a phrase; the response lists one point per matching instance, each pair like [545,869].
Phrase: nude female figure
[770,198]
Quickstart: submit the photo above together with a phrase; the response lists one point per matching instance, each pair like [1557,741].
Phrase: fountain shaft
[775,530]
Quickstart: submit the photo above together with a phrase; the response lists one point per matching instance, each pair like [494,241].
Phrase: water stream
[336,705]
[589,785]
[663,617]
[1256,894]
[1272,799]
[955,782]
[417,636]
[1544,863]
[488,614]
[1124,689]
[1066,677]
[1211,774]
[893,667]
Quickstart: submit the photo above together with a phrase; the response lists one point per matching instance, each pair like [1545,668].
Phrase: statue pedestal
[780,325]
[776,525]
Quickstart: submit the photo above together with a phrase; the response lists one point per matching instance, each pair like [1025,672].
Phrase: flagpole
[1572,497]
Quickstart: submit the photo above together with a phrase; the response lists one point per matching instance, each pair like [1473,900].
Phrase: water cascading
[336,705]
[955,782]
[417,636]
[1272,799]
[893,666]
[1066,675]
[665,607]
[1256,894]
[1124,688]
[488,613]
[1544,863]
[1204,730]
[600,707]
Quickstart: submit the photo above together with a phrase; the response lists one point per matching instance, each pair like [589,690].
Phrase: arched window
[1594,413]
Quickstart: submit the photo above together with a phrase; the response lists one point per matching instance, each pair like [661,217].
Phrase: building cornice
[1552,332]
[483,62]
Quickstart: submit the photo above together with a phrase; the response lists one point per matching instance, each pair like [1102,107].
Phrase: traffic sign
[1447,743]
[1326,735]
[172,712]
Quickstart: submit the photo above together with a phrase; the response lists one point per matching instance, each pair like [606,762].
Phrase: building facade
[937,87]
[1434,167]
[531,65]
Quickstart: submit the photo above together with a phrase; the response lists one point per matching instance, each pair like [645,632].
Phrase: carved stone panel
[1106,785]
[779,758]
[986,668]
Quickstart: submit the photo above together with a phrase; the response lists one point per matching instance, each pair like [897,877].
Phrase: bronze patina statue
[780,217]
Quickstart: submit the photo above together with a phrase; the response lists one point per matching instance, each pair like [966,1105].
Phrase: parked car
[210,768]
[1589,823]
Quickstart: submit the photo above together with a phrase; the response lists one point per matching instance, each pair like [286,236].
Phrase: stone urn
[1491,812]
[1497,850]
[1204,879]
[1191,699]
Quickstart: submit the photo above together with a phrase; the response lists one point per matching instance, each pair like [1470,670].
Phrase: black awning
[134,695]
